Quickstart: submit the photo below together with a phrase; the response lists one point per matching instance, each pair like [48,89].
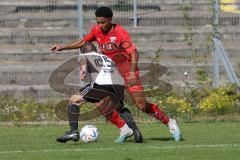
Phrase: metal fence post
[135,18]
[220,53]
[80,18]
[216,36]
[80,27]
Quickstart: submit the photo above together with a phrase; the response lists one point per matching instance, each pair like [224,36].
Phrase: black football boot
[74,136]
[126,116]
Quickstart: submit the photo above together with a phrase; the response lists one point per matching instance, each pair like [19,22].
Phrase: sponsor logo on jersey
[113,39]
[109,46]
[114,47]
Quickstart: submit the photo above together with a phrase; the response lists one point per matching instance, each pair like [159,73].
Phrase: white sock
[124,129]
[170,122]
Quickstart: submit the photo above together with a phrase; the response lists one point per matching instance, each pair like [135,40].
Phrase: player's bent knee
[105,102]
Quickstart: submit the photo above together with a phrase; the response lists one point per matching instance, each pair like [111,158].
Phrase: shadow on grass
[162,139]
[145,140]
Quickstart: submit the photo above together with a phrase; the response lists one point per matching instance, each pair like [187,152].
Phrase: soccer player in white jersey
[107,91]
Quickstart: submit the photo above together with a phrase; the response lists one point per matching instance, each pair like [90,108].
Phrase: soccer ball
[89,133]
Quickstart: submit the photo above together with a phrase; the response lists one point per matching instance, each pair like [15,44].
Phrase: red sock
[115,118]
[155,112]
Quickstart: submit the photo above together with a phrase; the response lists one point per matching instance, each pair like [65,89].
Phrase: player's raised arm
[73,45]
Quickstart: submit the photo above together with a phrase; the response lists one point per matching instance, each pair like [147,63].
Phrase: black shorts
[94,93]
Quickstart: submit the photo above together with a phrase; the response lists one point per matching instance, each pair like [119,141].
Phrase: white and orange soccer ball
[89,133]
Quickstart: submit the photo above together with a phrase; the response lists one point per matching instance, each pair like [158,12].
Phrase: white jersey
[104,67]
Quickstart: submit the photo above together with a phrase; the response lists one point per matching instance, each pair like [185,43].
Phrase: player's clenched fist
[56,48]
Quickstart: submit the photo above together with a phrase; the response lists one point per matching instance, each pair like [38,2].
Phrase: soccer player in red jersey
[115,42]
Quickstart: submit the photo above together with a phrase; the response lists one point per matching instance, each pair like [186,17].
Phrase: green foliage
[87,107]
[176,105]
[158,54]
[193,101]
[203,77]
[25,110]
[221,100]
[180,103]
[192,41]
[188,37]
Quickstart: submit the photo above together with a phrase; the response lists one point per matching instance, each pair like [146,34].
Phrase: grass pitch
[201,141]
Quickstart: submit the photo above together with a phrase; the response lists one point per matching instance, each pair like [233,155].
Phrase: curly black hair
[104,12]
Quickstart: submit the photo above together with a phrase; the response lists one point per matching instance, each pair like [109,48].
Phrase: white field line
[126,148]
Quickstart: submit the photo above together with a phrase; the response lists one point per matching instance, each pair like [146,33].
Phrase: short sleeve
[90,36]
[126,43]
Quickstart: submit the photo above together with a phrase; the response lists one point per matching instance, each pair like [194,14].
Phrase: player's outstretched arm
[73,45]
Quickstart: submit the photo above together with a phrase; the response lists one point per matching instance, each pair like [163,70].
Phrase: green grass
[201,141]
